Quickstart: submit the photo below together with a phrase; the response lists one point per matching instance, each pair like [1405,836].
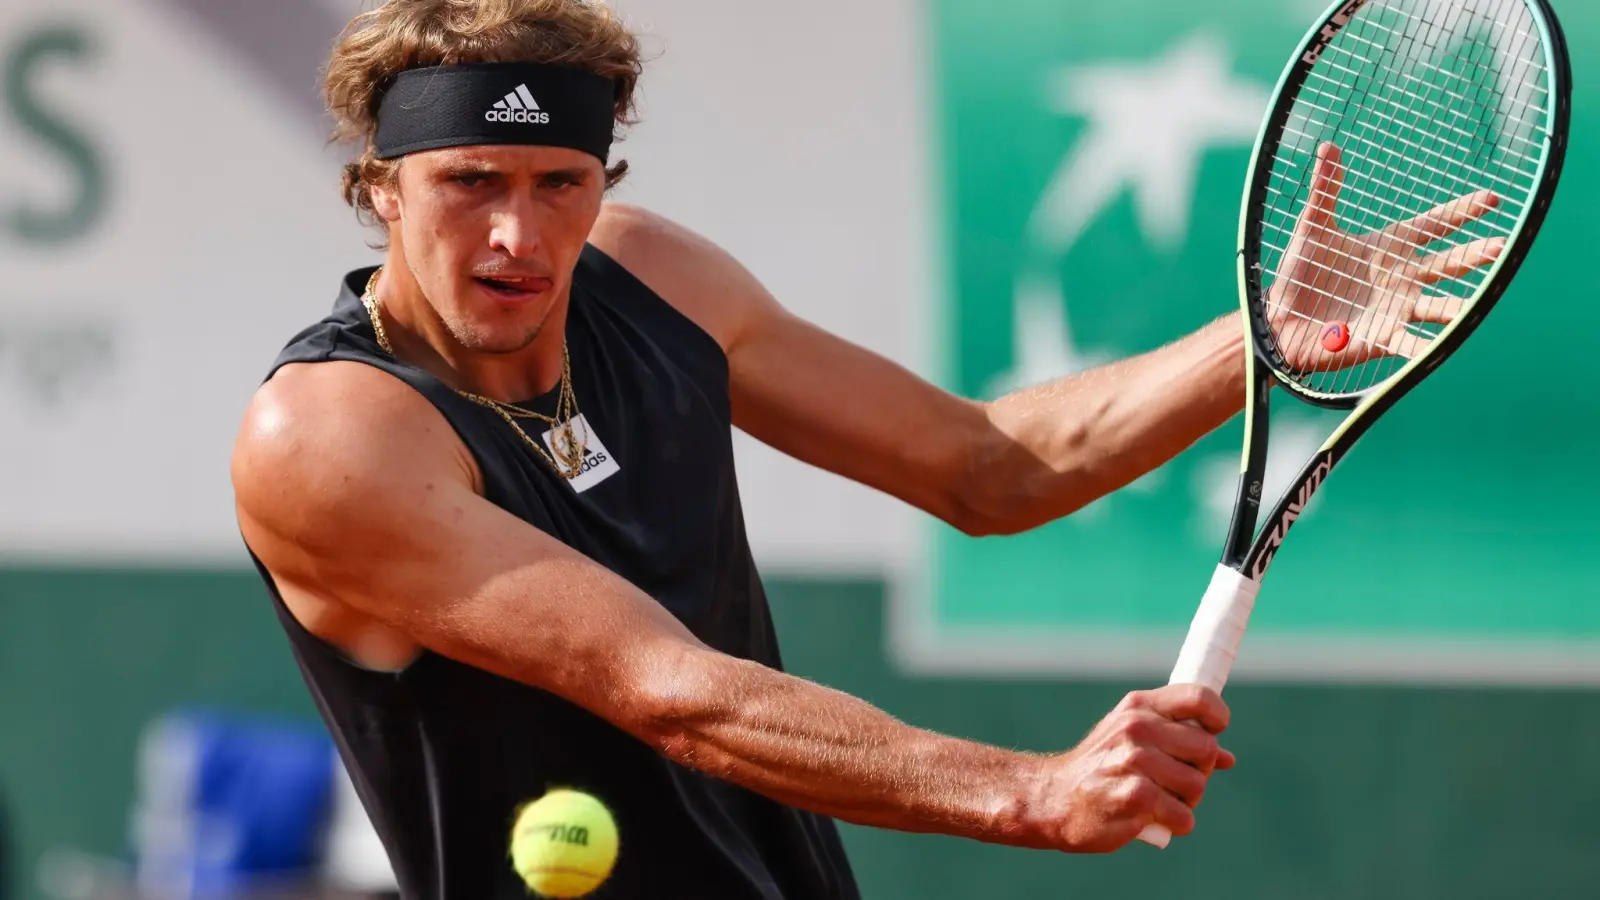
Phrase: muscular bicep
[359,497]
[847,409]
[810,394]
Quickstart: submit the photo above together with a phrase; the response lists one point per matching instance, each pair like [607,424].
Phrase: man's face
[492,235]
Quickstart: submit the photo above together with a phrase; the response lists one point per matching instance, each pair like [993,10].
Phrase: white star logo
[1149,124]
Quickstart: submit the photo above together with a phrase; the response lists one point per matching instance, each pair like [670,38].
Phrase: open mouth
[514,288]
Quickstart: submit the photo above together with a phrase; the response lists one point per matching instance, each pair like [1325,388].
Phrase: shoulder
[687,270]
[318,439]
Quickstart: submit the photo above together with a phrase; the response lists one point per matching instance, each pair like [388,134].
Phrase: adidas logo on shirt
[598,462]
[518,106]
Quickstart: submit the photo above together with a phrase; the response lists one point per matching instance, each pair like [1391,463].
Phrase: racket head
[1283,166]
[1419,111]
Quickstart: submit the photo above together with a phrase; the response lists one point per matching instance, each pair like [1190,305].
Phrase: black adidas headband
[496,103]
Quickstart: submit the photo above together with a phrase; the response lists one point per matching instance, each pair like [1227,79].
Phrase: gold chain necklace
[569,448]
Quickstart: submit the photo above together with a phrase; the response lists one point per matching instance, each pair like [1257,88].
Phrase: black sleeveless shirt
[443,753]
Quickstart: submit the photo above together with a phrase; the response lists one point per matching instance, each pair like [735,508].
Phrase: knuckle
[1179,699]
[1197,696]
[1121,793]
[1135,700]
[1139,795]
[1139,729]
[1133,759]
[1198,702]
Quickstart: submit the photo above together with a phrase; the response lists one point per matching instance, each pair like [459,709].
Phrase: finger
[1175,776]
[1184,741]
[1174,814]
[1443,220]
[1458,261]
[1225,760]
[1185,702]
[1406,343]
[1326,181]
[1437,310]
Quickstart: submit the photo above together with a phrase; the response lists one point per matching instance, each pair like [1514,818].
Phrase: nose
[517,229]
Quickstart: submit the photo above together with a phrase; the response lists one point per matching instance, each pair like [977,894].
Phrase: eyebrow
[574,174]
[454,169]
[466,167]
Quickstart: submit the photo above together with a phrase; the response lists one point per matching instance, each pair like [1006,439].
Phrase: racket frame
[1232,598]
[1265,366]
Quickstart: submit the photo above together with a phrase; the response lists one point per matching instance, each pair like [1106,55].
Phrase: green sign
[1093,159]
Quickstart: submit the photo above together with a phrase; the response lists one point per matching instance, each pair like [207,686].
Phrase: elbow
[981,492]
[1002,509]
[975,515]
[1008,488]
[670,702]
[988,502]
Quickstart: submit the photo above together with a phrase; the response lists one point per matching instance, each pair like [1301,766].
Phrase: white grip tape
[1211,647]
[1217,630]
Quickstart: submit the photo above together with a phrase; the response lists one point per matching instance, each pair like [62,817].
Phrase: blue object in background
[227,803]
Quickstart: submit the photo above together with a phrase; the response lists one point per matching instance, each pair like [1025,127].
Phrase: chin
[495,334]
[495,340]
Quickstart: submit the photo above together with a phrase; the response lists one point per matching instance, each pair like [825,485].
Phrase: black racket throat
[1245,550]
[1248,551]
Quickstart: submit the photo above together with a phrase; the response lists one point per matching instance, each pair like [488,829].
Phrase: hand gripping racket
[1399,179]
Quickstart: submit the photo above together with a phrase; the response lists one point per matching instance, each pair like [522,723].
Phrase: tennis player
[492,496]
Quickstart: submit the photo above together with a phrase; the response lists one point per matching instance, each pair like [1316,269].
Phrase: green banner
[1093,159]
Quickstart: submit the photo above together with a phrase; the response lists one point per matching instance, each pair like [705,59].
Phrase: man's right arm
[354,491]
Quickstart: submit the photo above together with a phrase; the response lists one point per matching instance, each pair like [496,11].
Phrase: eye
[470,179]
[558,180]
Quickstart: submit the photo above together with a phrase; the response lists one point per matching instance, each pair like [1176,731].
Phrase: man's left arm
[996,467]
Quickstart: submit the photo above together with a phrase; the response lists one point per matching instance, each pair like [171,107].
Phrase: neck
[418,336]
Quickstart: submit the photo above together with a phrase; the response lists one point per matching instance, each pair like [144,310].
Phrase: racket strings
[1453,97]
[1428,101]
[1408,155]
[1437,193]
[1433,109]
[1399,127]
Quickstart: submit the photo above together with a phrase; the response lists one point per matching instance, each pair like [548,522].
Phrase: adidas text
[518,115]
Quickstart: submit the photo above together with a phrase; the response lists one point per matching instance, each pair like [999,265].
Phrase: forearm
[818,749]
[1061,445]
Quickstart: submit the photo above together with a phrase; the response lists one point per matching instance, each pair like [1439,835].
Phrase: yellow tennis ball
[564,844]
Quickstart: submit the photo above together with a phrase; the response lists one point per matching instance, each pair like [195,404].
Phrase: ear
[386,203]
[386,199]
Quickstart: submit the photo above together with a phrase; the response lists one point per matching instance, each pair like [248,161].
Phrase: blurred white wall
[795,135]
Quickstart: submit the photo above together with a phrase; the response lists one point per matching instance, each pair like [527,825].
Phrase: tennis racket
[1399,179]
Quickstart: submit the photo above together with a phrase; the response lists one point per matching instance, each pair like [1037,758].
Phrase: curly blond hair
[409,34]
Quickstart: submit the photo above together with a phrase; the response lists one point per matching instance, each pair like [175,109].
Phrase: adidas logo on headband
[518,106]
[457,106]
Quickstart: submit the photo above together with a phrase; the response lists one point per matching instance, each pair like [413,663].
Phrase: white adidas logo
[518,106]
[598,462]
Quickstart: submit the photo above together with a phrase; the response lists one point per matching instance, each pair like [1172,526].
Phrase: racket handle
[1211,647]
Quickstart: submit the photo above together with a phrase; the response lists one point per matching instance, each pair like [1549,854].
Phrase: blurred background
[991,194]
